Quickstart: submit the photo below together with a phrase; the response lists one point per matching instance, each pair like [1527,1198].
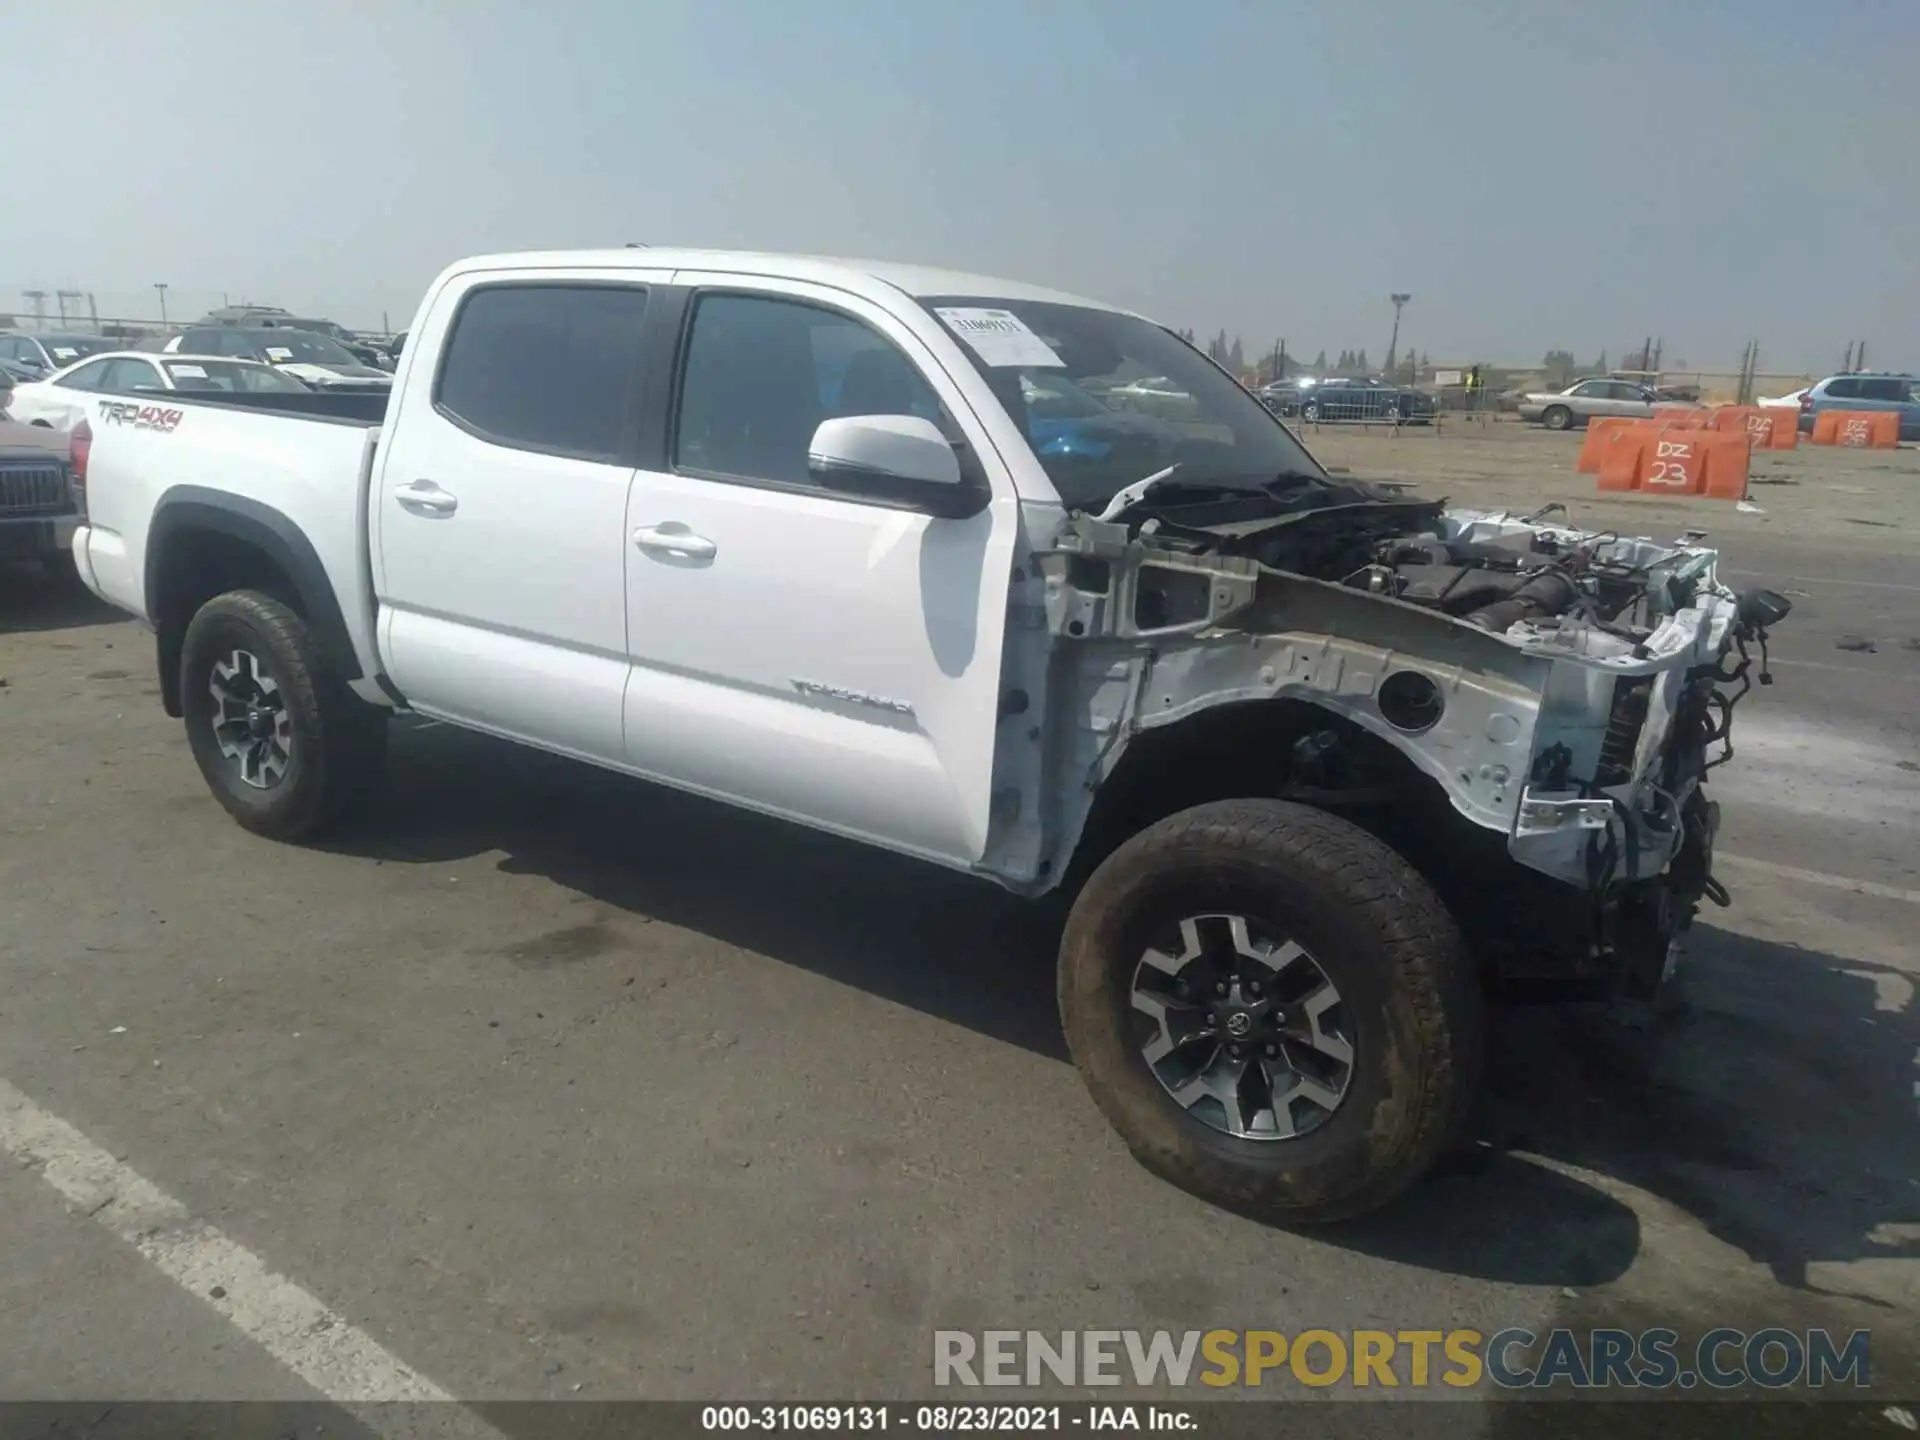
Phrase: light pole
[161,286]
[1393,345]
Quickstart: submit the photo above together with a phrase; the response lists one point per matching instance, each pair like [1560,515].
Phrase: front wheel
[1273,1009]
[1557,417]
[283,744]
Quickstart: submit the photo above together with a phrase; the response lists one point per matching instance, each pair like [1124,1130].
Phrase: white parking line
[341,1362]
[1816,877]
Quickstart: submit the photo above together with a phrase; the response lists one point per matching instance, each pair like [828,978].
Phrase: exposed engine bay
[1565,691]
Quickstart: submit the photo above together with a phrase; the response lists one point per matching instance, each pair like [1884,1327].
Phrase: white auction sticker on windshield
[64,352]
[188,372]
[279,352]
[999,337]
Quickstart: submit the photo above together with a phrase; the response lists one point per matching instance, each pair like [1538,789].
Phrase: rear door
[498,508]
[799,648]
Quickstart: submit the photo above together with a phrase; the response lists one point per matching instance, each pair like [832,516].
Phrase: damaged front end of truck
[1529,713]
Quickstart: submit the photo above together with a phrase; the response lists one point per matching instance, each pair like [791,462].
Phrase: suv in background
[320,360]
[266,317]
[1896,393]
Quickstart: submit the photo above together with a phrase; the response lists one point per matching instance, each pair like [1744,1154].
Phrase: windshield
[230,376]
[65,349]
[302,347]
[1107,399]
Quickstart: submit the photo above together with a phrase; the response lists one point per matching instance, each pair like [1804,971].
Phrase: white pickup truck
[1319,763]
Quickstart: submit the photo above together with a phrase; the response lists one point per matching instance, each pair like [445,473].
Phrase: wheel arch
[203,543]
[1241,749]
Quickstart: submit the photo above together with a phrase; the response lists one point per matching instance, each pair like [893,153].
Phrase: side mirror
[894,457]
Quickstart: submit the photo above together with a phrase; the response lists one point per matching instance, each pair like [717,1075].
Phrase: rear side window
[127,375]
[1894,390]
[85,377]
[552,368]
[1843,389]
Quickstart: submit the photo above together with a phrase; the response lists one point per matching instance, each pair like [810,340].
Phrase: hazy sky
[1537,173]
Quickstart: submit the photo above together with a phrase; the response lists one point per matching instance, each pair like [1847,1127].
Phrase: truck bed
[292,474]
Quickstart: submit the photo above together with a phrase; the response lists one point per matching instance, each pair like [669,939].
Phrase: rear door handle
[426,498]
[672,538]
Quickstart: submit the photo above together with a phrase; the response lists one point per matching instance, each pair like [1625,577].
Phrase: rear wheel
[284,745]
[1557,417]
[1273,1009]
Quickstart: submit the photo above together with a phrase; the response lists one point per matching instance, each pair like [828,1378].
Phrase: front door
[804,651]
[499,510]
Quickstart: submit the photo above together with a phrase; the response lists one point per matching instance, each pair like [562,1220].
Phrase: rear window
[545,367]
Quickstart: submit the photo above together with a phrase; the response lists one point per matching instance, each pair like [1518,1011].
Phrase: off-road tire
[1378,932]
[1557,417]
[339,741]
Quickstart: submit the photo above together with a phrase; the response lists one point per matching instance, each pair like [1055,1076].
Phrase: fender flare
[193,508]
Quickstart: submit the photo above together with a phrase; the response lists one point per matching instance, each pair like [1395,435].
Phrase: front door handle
[425,497]
[673,538]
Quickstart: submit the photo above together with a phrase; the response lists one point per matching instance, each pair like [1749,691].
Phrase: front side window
[1163,403]
[551,368]
[761,373]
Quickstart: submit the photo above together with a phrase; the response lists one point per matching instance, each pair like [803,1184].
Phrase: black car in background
[1339,398]
[1342,398]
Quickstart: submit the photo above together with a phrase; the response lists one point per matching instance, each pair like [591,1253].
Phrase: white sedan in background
[1791,400]
[59,402]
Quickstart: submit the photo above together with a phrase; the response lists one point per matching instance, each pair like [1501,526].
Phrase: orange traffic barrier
[1676,460]
[1618,451]
[1596,442]
[1767,427]
[1783,424]
[1858,429]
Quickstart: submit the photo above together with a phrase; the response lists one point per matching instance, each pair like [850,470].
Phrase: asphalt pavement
[540,1083]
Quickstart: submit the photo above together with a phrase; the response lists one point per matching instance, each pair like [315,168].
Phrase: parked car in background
[62,399]
[1788,401]
[12,373]
[1343,398]
[38,508]
[271,317]
[43,352]
[320,360]
[1282,397]
[1895,393]
[1154,395]
[1587,399]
